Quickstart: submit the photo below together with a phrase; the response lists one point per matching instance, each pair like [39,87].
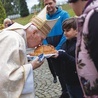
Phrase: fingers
[35,63]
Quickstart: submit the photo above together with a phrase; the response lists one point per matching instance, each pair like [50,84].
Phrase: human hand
[61,50]
[55,55]
[36,63]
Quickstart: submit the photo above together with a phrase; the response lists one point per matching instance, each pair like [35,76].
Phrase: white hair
[7,20]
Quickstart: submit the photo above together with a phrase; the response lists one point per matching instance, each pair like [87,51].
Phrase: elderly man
[16,77]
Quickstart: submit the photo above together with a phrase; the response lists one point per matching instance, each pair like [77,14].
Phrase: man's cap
[42,23]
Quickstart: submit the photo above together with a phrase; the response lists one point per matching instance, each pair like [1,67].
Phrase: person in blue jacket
[56,36]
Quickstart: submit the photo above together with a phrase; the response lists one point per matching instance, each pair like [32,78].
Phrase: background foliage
[2,13]
[11,6]
[16,7]
[20,6]
[68,9]
[23,8]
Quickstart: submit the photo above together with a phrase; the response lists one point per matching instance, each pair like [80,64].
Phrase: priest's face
[34,37]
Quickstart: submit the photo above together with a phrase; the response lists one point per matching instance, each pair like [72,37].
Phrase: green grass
[25,20]
[67,8]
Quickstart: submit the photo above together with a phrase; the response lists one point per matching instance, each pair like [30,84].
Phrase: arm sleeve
[93,38]
[66,57]
[29,83]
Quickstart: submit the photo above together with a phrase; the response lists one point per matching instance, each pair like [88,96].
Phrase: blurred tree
[11,6]
[2,13]
[41,3]
[15,4]
[23,8]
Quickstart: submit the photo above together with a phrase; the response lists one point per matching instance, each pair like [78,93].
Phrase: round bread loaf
[45,49]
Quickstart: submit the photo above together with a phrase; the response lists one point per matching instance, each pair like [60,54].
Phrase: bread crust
[45,49]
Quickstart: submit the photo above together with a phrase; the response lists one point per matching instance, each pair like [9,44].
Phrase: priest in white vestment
[16,74]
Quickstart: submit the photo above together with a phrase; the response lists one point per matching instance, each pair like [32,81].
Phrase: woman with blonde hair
[7,22]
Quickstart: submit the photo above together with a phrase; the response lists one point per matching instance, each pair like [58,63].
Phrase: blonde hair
[7,22]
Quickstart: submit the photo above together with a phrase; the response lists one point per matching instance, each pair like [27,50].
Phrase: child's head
[69,27]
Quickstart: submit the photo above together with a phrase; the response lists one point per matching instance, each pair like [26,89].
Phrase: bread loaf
[45,49]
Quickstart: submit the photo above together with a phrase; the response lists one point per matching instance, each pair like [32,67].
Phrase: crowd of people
[75,62]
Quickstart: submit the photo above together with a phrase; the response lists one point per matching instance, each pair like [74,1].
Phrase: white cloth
[16,75]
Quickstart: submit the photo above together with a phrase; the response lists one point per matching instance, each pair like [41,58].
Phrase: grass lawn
[24,20]
[67,8]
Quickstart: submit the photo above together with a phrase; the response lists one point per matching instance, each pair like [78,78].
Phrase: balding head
[34,36]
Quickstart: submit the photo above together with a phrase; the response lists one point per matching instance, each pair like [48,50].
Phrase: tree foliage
[11,6]
[2,13]
[23,8]
[41,3]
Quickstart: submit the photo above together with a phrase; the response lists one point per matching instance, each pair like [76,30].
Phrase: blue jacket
[56,36]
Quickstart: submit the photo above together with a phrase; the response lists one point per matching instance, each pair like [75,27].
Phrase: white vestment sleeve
[29,83]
